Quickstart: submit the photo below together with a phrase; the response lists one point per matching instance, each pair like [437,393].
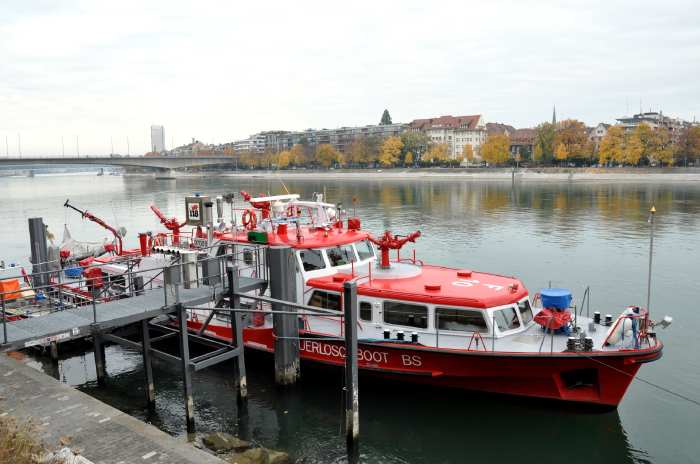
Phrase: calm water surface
[573,235]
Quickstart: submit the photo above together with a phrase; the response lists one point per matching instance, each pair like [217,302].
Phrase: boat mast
[651,253]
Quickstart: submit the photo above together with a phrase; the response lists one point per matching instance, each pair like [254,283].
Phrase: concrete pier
[103,434]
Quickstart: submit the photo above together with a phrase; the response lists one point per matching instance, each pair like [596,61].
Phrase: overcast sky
[219,71]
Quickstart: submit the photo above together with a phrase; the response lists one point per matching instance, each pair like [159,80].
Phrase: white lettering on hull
[363,355]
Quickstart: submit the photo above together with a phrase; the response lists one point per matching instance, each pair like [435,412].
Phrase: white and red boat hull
[599,378]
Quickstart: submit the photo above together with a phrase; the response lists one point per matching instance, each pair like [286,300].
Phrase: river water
[573,235]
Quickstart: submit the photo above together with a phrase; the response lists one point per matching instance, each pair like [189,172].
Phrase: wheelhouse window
[340,255]
[312,259]
[463,320]
[325,300]
[364,250]
[400,313]
[506,319]
[365,311]
[525,311]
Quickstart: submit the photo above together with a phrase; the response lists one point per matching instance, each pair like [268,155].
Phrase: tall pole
[352,402]
[128,148]
[111,142]
[63,147]
[77,145]
[7,148]
[19,144]
[651,254]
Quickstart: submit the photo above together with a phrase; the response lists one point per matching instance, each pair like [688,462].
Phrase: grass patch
[19,443]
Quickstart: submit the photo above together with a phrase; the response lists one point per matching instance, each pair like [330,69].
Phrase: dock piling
[147,365]
[352,401]
[237,329]
[40,252]
[100,363]
[186,374]
[285,326]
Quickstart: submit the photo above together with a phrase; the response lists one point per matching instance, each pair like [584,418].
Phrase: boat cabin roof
[310,237]
[435,285]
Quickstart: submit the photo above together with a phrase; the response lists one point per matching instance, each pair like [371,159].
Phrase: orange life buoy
[249,219]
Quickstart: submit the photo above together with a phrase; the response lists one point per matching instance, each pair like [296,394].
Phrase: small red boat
[431,324]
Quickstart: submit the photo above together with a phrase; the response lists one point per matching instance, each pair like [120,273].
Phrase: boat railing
[90,291]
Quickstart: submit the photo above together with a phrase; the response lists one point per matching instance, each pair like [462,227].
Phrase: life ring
[249,219]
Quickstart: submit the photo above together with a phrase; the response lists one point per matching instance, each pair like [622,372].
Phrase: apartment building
[454,131]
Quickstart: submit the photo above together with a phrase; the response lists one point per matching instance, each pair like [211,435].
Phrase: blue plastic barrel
[73,272]
[559,298]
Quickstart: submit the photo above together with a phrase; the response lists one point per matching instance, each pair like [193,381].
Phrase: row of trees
[568,141]
[408,149]
[565,142]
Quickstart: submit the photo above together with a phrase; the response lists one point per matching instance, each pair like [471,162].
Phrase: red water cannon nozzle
[264,206]
[388,241]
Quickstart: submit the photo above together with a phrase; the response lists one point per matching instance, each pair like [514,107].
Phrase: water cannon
[388,241]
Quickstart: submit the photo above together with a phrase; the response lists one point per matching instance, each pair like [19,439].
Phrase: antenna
[652,211]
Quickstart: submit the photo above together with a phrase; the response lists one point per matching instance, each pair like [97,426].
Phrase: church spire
[554,114]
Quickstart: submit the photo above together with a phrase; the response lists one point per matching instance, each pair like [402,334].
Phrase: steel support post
[237,329]
[4,318]
[147,365]
[39,250]
[186,374]
[285,326]
[352,402]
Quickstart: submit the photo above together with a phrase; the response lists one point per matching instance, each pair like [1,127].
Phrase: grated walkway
[78,322]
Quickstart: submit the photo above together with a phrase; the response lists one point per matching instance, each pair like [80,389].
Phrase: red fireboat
[431,324]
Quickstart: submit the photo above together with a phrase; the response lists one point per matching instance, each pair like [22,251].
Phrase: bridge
[155,163]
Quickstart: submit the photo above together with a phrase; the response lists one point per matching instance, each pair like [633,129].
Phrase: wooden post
[352,402]
[186,374]
[237,330]
[147,365]
[54,351]
[285,326]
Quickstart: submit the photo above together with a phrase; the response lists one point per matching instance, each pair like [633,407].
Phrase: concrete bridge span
[155,163]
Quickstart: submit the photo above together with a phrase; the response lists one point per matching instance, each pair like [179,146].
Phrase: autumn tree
[688,144]
[632,152]
[437,153]
[326,155]
[408,159]
[496,149]
[561,153]
[297,155]
[612,145]
[468,153]
[545,134]
[386,118]
[284,159]
[390,151]
[574,136]
[357,151]
[415,142]
[374,145]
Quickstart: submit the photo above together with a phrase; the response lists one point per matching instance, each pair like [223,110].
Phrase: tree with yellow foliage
[496,149]
[437,153]
[408,159]
[283,159]
[357,151]
[326,155]
[468,153]
[612,145]
[297,155]
[633,150]
[390,151]
[561,153]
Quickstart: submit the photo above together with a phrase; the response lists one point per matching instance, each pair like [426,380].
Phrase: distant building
[655,120]
[522,142]
[339,138]
[596,134]
[454,131]
[157,139]
[497,128]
